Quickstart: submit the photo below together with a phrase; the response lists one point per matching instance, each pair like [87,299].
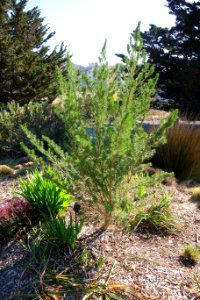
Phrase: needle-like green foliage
[104,118]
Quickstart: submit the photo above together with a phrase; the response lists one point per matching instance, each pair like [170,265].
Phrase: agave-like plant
[44,195]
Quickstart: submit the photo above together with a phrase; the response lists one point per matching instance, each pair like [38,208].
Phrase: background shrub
[181,153]
[40,118]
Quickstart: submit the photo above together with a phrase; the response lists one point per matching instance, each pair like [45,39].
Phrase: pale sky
[84,25]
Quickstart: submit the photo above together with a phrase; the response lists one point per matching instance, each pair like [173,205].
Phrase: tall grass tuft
[181,153]
[59,233]
[191,254]
[157,218]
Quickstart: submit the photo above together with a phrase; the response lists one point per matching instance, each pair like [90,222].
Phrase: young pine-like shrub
[181,153]
[40,118]
[44,195]
[103,117]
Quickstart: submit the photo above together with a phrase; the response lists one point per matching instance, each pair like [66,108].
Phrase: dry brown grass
[5,170]
[181,154]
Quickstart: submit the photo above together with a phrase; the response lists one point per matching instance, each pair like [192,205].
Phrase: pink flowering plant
[15,214]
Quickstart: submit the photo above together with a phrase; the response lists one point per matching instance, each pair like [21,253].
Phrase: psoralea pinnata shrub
[103,117]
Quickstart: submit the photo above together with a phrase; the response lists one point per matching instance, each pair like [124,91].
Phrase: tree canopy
[175,53]
[27,66]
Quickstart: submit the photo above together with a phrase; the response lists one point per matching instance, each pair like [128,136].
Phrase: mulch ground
[147,261]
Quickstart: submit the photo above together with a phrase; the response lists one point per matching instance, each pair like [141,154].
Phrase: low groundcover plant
[103,118]
[14,215]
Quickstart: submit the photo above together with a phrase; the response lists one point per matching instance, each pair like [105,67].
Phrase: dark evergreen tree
[27,67]
[175,53]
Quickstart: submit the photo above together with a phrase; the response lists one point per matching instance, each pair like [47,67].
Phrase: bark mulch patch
[151,263]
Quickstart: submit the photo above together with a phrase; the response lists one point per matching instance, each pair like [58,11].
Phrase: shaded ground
[151,262]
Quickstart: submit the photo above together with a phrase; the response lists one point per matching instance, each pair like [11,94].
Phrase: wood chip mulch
[150,262]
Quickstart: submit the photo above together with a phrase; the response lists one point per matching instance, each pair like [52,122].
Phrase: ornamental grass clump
[146,208]
[181,153]
[195,194]
[191,254]
[155,218]
[103,118]
[58,233]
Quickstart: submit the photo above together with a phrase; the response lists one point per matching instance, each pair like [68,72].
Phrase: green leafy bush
[181,153]
[107,140]
[44,195]
[40,118]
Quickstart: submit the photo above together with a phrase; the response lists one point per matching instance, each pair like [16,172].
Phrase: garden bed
[149,263]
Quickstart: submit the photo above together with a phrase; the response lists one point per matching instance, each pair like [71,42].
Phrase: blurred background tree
[175,53]
[27,66]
